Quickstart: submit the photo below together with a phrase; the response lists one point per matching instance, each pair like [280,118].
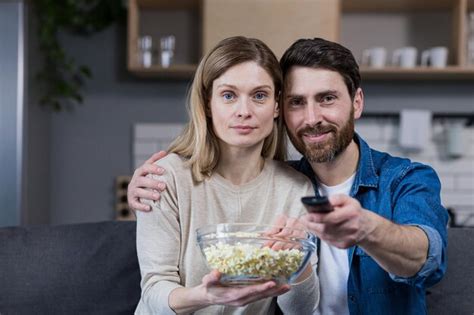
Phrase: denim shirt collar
[366,176]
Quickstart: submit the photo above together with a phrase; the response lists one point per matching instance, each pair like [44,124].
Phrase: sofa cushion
[88,268]
[454,293]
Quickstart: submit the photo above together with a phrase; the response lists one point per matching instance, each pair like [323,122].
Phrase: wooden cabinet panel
[277,22]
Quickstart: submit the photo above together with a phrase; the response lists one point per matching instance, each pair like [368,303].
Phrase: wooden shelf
[395,5]
[177,71]
[168,5]
[418,73]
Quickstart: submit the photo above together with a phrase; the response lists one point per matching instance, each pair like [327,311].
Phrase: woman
[222,169]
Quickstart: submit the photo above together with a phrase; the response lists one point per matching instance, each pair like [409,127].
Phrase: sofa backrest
[92,268]
[88,268]
[455,293]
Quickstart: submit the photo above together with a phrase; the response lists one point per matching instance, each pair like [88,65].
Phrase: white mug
[436,57]
[375,57]
[455,142]
[405,57]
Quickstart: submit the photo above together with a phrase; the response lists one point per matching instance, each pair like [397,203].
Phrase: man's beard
[326,151]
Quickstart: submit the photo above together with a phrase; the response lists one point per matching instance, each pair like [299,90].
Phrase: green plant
[62,78]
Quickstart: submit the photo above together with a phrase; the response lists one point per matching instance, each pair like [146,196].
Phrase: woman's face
[243,106]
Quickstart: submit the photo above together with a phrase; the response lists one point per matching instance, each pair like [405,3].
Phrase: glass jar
[145,51]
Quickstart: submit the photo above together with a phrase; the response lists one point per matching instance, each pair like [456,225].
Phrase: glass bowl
[249,254]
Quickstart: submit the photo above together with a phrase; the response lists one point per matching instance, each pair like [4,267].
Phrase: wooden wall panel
[277,22]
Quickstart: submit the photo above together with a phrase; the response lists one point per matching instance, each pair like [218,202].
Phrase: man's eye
[295,102]
[328,99]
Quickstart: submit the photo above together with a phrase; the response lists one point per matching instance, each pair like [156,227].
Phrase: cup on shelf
[145,51]
[167,44]
[405,57]
[375,57]
[455,141]
[436,57]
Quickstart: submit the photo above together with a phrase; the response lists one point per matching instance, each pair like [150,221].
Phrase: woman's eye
[260,96]
[228,96]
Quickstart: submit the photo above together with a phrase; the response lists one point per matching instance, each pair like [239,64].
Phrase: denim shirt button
[352,298]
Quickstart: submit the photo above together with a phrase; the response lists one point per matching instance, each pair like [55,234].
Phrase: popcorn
[253,260]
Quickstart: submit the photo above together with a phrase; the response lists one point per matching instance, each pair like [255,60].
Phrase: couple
[381,246]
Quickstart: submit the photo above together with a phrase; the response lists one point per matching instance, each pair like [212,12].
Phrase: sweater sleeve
[158,244]
[303,298]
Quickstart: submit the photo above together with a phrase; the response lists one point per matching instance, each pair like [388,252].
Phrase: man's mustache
[316,130]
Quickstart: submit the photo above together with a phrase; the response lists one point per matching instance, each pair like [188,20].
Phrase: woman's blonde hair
[198,142]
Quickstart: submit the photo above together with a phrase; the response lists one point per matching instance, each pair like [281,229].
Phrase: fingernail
[159,170]
[161,186]
[156,196]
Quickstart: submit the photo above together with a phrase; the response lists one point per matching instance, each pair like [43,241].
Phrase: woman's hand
[211,292]
[141,186]
[239,296]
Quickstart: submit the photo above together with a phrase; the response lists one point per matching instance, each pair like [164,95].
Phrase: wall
[11,112]
[91,145]
[37,206]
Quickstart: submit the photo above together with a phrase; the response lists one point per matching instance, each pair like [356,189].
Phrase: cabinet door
[276,22]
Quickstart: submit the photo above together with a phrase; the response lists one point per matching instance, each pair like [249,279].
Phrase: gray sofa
[88,268]
[92,268]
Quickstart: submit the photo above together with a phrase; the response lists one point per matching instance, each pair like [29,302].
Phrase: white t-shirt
[333,265]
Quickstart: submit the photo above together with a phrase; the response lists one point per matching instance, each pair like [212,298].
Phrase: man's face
[319,112]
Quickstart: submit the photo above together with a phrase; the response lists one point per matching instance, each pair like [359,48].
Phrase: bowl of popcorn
[249,254]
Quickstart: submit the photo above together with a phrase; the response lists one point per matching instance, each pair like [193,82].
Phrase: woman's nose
[243,108]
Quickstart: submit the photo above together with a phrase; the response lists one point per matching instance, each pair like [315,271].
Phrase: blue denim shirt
[406,193]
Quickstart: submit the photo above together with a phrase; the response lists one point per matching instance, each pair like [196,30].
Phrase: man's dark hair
[321,53]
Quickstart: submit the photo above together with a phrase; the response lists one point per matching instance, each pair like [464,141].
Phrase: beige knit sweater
[168,253]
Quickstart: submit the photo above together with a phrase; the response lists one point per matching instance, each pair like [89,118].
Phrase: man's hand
[142,187]
[347,225]
[399,249]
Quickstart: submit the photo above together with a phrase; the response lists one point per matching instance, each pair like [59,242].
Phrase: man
[385,240]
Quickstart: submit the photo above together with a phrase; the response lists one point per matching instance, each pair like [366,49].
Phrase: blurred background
[67,151]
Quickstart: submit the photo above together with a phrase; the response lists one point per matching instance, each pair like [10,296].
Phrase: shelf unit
[279,22]
[137,9]
[252,18]
[456,11]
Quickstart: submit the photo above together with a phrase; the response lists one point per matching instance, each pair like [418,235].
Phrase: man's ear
[358,103]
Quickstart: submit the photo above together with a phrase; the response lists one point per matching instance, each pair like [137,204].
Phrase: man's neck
[340,169]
